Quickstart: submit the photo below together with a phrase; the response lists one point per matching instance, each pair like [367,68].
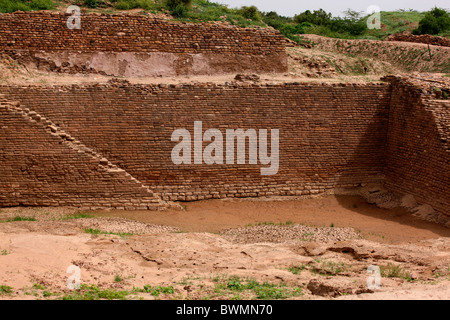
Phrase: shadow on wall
[418,159]
[413,161]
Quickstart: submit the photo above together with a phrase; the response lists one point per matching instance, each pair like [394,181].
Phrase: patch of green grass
[155,291]
[235,284]
[92,292]
[47,294]
[394,271]
[4,252]
[7,6]
[5,290]
[80,215]
[19,218]
[268,291]
[38,286]
[118,278]
[296,269]
[98,232]
[323,268]
[263,291]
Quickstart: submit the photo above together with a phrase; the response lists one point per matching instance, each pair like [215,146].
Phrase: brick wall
[423,38]
[418,157]
[407,57]
[330,135]
[222,48]
[41,165]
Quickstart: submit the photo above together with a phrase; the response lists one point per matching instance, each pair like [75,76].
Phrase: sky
[291,7]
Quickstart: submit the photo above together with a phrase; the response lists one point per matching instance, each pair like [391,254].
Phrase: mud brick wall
[423,38]
[330,135]
[223,48]
[418,157]
[40,169]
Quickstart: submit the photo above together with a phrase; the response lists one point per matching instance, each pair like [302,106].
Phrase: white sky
[290,8]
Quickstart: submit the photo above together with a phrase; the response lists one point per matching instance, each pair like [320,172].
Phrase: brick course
[222,48]
[418,157]
[330,135]
[41,165]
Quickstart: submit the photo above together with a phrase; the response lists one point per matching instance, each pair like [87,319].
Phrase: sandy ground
[303,249]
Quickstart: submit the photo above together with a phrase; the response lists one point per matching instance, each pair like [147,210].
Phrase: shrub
[173,4]
[435,21]
[41,4]
[8,6]
[180,11]
[317,17]
[178,8]
[123,5]
[250,13]
[91,3]
[347,26]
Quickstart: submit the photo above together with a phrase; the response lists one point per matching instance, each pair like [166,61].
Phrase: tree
[178,8]
[251,13]
[435,21]
[317,17]
[352,15]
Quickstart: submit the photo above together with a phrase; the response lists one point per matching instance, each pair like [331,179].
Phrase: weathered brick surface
[423,38]
[418,157]
[330,135]
[190,45]
[42,165]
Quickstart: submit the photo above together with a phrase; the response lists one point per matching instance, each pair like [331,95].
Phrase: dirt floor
[317,248]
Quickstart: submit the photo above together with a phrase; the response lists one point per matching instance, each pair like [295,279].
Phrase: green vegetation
[38,286]
[98,232]
[436,21]
[92,292]
[323,268]
[394,271]
[80,215]
[329,268]
[178,5]
[297,269]
[395,22]
[155,291]
[352,26]
[204,11]
[24,5]
[19,218]
[250,13]
[5,290]
[264,291]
